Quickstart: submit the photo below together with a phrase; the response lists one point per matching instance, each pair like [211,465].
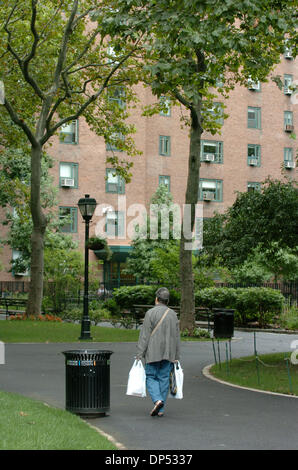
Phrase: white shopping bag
[136,384]
[179,381]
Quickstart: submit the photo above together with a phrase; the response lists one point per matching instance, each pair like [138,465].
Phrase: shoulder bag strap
[160,322]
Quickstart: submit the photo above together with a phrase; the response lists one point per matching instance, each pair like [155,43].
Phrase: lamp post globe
[87,207]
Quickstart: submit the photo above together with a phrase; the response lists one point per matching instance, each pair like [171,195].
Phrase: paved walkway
[211,416]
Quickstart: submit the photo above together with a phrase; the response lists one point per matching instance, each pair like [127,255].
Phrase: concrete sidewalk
[211,416]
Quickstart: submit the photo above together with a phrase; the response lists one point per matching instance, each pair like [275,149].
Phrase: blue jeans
[158,380]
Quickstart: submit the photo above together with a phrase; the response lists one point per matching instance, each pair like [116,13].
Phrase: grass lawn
[271,374]
[41,331]
[28,331]
[26,424]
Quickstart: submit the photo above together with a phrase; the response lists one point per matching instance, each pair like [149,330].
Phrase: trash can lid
[87,353]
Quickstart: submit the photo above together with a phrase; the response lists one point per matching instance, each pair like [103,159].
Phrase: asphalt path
[211,416]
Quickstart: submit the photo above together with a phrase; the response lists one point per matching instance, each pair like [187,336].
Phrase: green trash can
[87,382]
[223,319]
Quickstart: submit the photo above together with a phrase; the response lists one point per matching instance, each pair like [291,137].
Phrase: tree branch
[24,64]
[93,97]
[19,122]
[62,53]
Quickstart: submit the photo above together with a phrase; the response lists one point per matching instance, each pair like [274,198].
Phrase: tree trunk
[187,306]
[37,238]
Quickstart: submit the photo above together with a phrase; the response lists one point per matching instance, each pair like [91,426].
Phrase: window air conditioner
[208,196]
[253,162]
[289,127]
[67,182]
[253,85]
[288,90]
[208,157]
[288,54]
[289,164]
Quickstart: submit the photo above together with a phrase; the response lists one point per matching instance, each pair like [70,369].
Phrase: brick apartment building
[254,143]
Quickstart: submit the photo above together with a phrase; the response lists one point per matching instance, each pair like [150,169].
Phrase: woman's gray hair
[163,295]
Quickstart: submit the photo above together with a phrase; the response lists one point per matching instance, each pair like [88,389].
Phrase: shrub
[258,304]
[196,333]
[127,296]
[112,306]
[251,304]
[216,297]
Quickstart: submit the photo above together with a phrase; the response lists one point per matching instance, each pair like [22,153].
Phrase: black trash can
[87,382]
[223,323]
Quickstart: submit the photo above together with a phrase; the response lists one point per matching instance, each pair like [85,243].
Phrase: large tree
[199,49]
[265,220]
[56,66]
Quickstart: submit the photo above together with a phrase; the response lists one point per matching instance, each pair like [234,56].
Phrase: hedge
[127,296]
[250,303]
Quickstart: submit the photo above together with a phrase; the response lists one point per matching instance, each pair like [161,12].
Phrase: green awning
[120,253]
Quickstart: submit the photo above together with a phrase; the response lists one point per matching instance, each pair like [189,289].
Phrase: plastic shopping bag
[136,384]
[179,376]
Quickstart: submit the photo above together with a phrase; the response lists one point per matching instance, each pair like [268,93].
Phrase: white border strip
[206,372]
[107,436]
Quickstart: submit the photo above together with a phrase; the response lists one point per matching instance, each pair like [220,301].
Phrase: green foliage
[63,273]
[127,296]
[289,318]
[196,333]
[251,304]
[264,220]
[143,261]
[258,304]
[112,306]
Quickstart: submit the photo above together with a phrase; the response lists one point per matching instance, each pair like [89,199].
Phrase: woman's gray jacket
[165,342]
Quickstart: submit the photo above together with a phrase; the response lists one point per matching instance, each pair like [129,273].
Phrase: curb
[107,436]
[206,372]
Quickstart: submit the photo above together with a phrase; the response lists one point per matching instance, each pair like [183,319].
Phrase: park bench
[9,302]
[203,315]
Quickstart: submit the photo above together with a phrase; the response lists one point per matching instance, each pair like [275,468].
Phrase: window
[166,180]
[254,118]
[114,144]
[211,151]
[112,56]
[288,158]
[253,186]
[288,154]
[166,103]
[165,145]
[254,85]
[68,175]
[210,190]
[116,96]
[288,121]
[68,215]
[217,111]
[115,224]
[69,133]
[19,267]
[254,155]
[114,183]
[288,54]
[288,81]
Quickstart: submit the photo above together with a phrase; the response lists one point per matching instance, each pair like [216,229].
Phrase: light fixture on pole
[87,207]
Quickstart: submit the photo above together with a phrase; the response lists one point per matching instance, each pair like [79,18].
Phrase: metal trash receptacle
[223,319]
[87,382]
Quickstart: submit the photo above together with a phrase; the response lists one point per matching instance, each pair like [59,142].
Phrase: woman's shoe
[157,406]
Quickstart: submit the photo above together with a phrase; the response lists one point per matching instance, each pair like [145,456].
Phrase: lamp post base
[85,330]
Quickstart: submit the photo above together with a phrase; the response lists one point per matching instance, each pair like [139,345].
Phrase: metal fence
[288,289]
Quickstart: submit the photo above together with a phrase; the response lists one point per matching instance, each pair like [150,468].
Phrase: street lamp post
[87,207]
